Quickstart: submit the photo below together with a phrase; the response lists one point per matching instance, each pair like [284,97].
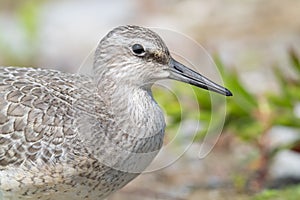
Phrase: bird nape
[72,136]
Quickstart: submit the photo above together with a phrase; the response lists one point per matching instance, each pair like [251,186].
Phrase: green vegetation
[291,193]
[249,117]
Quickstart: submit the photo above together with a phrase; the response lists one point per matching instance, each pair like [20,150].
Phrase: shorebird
[72,136]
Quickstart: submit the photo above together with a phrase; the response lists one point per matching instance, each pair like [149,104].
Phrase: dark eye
[138,50]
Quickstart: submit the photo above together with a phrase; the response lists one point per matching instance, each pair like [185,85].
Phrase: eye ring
[138,50]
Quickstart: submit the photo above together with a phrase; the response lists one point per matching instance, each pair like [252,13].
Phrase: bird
[74,136]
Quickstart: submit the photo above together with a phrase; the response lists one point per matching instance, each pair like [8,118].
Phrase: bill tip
[228,93]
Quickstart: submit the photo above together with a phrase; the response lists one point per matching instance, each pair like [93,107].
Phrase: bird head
[138,56]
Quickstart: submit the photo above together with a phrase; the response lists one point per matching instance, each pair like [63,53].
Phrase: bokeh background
[256,46]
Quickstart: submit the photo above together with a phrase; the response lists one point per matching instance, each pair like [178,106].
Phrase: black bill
[182,73]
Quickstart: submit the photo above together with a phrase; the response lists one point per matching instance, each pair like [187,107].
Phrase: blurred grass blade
[284,86]
[241,96]
[295,60]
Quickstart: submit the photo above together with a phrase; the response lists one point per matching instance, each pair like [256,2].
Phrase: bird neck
[134,133]
[133,108]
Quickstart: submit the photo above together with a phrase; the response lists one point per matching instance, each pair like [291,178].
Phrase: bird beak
[181,73]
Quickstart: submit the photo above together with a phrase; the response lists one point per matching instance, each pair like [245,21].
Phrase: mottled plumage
[70,136]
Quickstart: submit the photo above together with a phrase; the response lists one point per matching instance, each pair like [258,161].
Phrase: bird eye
[138,50]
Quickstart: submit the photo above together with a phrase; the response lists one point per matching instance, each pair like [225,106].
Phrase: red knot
[71,136]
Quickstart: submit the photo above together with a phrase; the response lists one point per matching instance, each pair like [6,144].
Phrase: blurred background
[256,47]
